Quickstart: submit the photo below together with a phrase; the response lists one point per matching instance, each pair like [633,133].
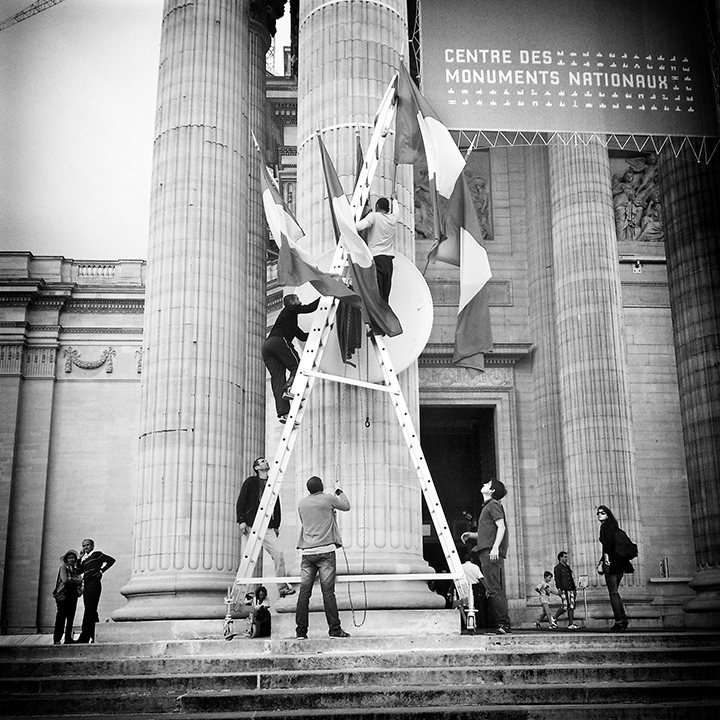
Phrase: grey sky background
[78,86]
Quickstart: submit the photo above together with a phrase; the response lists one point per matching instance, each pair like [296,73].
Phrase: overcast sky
[77,113]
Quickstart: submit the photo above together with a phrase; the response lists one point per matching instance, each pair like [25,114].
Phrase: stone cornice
[440,354]
[129,306]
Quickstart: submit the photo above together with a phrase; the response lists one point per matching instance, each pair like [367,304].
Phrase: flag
[378,313]
[295,266]
[463,247]
[421,138]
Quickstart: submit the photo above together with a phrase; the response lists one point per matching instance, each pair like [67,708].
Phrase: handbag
[59,591]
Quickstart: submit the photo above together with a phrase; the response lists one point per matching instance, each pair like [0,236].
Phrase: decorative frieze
[39,362]
[126,306]
[10,359]
[464,378]
[72,357]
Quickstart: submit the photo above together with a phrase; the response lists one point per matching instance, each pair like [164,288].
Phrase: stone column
[598,444]
[552,487]
[204,311]
[349,51]
[690,192]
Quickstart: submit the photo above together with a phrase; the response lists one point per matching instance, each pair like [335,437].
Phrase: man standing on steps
[246,509]
[279,353]
[492,543]
[565,583]
[318,540]
[93,565]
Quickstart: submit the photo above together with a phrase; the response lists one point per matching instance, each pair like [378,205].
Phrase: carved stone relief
[464,378]
[636,199]
[72,357]
[477,174]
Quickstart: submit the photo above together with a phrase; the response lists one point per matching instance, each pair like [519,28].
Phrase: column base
[181,596]
[707,586]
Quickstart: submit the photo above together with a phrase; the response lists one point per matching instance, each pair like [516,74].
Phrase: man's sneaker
[573,626]
[501,631]
[284,418]
[301,637]
[284,592]
[553,625]
[287,395]
[538,626]
[338,633]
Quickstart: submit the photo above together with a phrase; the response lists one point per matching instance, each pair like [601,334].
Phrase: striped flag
[421,138]
[295,266]
[378,313]
[462,246]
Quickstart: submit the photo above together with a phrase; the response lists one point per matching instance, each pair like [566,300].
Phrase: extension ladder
[307,373]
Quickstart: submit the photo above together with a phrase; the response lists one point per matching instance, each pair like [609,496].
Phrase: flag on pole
[295,266]
[463,247]
[362,266]
[421,138]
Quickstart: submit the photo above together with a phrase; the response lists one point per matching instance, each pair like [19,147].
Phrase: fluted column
[598,442]
[197,393]
[692,239]
[552,506]
[349,51]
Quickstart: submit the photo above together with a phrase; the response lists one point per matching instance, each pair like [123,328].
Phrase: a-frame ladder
[307,373]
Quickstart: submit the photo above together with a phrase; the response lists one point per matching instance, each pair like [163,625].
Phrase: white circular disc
[410,300]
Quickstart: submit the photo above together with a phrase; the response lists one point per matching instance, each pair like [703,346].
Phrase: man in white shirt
[381,224]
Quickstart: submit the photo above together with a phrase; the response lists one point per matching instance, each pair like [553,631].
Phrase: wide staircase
[539,675]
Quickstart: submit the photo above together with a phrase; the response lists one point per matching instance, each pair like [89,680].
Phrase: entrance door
[459,446]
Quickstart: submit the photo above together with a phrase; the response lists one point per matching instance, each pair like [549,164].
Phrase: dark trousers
[384,269]
[64,619]
[492,571]
[613,583]
[91,598]
[311,565]
[280,356]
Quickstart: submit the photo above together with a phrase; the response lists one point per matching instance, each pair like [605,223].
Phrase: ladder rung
[352,578]
[351,381]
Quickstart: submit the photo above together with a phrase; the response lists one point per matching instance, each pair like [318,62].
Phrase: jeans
[613,582]
[492,571]
[312,565]
[271,544]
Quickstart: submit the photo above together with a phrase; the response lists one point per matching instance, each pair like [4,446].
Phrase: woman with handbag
[66,593]
[617,551]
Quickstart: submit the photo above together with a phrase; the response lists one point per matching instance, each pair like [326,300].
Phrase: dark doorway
[459,446]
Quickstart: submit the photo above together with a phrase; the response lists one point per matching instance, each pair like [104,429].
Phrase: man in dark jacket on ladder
[279,354]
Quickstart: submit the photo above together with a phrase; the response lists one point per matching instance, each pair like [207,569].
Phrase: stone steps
[528,675]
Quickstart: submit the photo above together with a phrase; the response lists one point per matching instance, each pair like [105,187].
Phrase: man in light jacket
[318,540]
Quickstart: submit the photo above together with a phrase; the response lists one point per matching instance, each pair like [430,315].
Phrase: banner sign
[617,66]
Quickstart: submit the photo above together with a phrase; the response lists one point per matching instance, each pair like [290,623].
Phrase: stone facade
[579,403]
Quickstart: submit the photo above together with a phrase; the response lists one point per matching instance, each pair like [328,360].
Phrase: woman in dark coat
[612,564]
[66,594]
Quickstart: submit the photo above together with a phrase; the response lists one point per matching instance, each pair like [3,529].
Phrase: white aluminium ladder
[307,373]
